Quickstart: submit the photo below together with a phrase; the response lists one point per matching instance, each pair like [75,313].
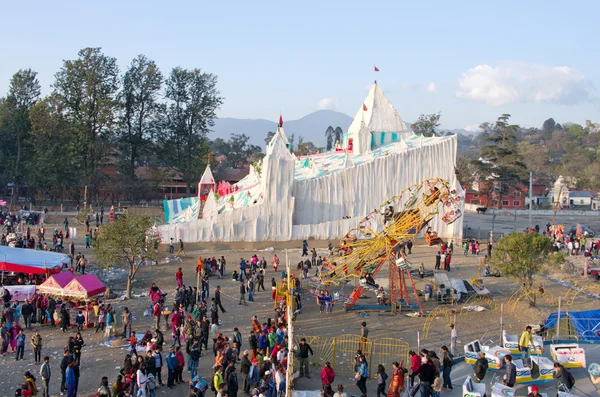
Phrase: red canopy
[84,286]
[56,283]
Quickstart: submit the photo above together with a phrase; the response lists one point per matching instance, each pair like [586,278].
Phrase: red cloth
[280,121]
[365,107]
[375,68]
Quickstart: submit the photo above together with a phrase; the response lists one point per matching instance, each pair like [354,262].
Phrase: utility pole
[530,197]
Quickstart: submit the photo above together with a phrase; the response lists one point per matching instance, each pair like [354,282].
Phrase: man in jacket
[232,383]
[51,310]
[172,367]
[63,369]
[194,356]
[36,343]
[70,380]
[525,341]
[254,374]
[218,298]
[447,362]
[45,374]
[480,368]
[252,344]
[561,374]
[511,372]
[303,350]
[27,313]
[245,369]
[427,376]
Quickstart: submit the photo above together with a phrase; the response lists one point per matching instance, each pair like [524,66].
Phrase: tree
[129,240]
[270,136]
[502,162]
[330,136]
[140,110]
[237,150]
[23,93]
[523,256]
[339,133]
[548,127]
[193,101]
[87,88]
[426,124]
[305,148]
[465,171]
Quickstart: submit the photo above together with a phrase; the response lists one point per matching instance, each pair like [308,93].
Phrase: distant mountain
[311,127]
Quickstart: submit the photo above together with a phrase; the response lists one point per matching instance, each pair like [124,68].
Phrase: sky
[470,60]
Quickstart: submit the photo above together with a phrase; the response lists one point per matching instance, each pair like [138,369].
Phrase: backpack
[571,379]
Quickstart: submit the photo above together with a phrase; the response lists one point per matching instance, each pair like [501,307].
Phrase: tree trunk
[129,281]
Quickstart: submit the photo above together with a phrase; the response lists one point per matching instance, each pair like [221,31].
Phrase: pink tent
[84,286]
[56,283]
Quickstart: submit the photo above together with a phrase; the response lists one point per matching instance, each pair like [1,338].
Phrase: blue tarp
[586,323]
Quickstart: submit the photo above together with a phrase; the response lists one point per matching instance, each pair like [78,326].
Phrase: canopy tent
[84,286]
[207,183]
[56,283]
[585,324]
[21,260]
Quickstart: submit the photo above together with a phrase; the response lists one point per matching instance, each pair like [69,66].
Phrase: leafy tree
[87,89]
[193,101]
[128,241]
[465,171]
[576,132]
[140,111]
[549,126]
[23,93]
[329,135]
[237,149]
[270,136]
[426,124]
[502,162]
[55,161]
[339,133]
[305,148]
[523,256]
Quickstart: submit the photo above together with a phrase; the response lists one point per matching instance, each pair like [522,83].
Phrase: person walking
[381,379]
[480,368]
[447,362]
[171,247]
[397,383]
[362,375]
[218,299]
[251,289]
[180,250]
[303,351]
[45,373]
[36,343]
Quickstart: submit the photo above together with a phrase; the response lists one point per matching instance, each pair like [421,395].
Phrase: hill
[312,127]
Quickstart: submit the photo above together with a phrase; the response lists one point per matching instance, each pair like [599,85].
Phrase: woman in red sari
[397,383]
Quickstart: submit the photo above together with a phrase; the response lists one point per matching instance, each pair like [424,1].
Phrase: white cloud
[328,103]
[431,87]
[472,128]
[525,83]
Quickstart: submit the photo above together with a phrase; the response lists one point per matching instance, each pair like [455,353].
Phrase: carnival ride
[378,239]
[569,354]
[540,370]
[494,354]
[511,343]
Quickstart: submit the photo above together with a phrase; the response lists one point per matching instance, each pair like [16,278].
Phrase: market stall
[21,260]
[56,283]
[82,289]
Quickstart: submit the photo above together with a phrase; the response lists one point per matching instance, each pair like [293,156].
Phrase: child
[80,319]
[151,385]
[20,344]
[133,341]
[381,378]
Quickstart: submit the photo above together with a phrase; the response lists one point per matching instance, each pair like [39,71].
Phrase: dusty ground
[99,360]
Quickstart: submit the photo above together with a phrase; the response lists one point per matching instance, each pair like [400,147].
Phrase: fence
[341,350]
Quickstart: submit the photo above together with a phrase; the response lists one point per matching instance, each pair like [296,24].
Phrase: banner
[21,292]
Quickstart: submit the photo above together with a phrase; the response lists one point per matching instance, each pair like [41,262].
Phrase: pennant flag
[365,107]
[280,121]
[375,68]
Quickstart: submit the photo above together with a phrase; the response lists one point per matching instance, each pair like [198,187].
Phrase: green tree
[523,256]
[193,101]
[426,124]
[329,136]
[305,148]
[140,114]
[237,149]
[87,88]
[270,136]
[465,171]
[15,127]
[128,241]
[502,162]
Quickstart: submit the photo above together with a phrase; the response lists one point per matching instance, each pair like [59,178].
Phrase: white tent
[207,182]
[210,206]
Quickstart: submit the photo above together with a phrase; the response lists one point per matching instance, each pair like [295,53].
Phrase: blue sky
[471,60]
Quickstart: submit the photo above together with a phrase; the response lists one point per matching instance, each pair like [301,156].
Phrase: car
[511,342]
[569,354]
[494,354]
[587,232]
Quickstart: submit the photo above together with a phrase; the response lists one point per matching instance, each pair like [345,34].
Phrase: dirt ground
[99,360]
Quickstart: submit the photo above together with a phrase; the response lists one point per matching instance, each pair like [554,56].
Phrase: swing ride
[378,239]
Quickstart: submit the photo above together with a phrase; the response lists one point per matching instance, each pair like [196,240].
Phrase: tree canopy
[128,241]
[427,124]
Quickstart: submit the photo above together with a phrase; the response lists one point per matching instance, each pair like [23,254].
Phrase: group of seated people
[367,280]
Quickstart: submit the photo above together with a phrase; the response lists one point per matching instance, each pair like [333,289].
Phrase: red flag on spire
[280,121]
[365,107]
[375,68]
